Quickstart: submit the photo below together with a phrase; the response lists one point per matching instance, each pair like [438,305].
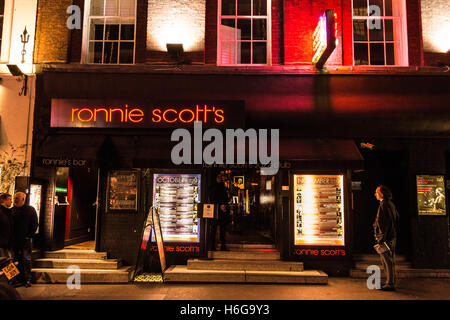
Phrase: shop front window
[243,32]
[319,209]
[379,33]
[110,32]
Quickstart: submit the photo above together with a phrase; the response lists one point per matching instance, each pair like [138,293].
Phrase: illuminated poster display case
[319,210]
[177,197]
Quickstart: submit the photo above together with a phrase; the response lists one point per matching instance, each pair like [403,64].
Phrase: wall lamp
[15,71]
[176,53]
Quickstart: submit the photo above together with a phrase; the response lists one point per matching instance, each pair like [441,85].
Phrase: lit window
[110,32]
[243,32]
[379,33]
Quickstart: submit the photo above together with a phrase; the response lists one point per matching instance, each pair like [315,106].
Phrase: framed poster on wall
[122,190]
[431,199]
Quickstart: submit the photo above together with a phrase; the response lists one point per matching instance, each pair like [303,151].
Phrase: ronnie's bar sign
[86,113]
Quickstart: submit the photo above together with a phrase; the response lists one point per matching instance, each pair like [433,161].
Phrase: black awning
[329,152]
[68,150]
[147,150]
[63,146]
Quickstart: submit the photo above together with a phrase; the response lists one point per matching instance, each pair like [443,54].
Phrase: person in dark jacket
[219,196]
[25,224]
[6,231]
[385,231]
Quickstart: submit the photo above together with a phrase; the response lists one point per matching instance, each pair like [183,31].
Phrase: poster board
[122,190]
[177,197]
[151,227]
[431,200]
[319,210]
[159,239]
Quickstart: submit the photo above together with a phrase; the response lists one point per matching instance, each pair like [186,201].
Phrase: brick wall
[301,18]
[414,24]
[435,19]
[277,32]
[52,34]
[197,20]
[211,32]
[175,21]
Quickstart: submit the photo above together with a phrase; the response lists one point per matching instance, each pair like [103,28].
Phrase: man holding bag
[385,234]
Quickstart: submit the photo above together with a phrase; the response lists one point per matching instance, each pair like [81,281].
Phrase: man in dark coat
[385,232]
[25,224]
[6,231]
[219,196]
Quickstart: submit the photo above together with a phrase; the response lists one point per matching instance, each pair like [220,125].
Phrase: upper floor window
[243,32]
[379,33]
[110,32]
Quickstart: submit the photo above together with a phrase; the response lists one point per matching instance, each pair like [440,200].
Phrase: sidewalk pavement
[337,289]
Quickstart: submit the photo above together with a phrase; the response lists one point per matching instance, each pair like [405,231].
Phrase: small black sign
[63,162]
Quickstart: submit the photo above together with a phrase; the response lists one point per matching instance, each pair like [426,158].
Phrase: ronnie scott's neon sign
[79,113]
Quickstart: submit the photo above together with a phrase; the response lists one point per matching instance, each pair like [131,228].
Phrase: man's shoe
[27,284]
[387,288]
[223,248]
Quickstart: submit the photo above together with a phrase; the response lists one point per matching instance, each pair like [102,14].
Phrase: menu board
[122,190]
[431,195]
[177,197]
[319,209]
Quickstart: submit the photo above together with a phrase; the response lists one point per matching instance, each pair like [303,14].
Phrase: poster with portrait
[238,182]
[431,195]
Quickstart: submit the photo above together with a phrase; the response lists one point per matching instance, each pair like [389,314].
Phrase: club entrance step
[94,267]
[183,274]
[82,263]
[247,266]
[245,255]
[75,254]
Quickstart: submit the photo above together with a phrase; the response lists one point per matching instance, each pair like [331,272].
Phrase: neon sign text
[122,113]
[135,115]
[187,115]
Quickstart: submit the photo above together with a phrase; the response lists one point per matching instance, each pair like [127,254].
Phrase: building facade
[116,78]
[17,91]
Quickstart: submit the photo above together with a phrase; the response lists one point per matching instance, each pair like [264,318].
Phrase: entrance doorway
[81,209]
[389,168]
[252,206]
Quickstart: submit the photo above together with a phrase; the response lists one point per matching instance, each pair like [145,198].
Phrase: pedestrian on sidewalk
[25,224]
[385,233]
[6,230]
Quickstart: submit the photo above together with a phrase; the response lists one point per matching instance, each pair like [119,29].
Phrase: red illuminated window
[379,33]
[243,32]
[110,32]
